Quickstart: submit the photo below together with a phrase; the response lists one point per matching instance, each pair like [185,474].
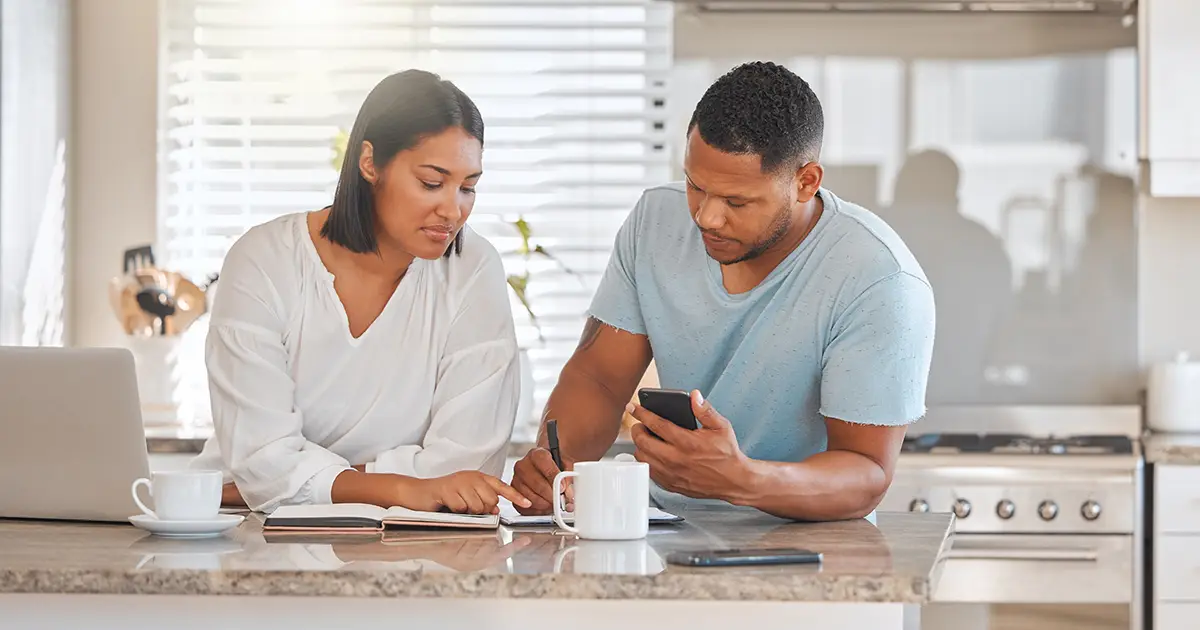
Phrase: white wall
[114,162]
[115,129]
[1169,277]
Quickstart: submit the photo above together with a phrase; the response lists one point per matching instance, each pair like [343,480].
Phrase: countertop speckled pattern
[896,560]
[1171,448]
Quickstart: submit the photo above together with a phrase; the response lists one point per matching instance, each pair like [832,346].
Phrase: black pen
[552,442]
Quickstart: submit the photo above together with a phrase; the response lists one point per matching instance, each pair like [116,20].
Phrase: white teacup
[612,500]
[182,495]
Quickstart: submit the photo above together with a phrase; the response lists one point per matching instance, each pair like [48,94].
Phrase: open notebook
[357,517]
[509,517]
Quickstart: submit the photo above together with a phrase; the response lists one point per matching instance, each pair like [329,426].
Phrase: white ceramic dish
[207,528]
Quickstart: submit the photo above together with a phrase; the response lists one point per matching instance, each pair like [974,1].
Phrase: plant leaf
[526,233]
[518,285]
[340,141]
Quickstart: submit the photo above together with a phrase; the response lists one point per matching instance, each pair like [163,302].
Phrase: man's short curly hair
[764,109]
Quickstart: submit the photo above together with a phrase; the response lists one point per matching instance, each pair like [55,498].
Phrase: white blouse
[429,389]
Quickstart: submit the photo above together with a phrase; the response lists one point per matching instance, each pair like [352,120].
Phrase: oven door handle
[1058,555]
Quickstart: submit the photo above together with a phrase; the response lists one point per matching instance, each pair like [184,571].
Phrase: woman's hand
[231,497]
[469,492]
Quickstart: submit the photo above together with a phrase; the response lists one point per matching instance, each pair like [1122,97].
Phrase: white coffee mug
[182,495]
[612,500]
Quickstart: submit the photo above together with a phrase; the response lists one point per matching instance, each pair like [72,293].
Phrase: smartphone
[672,405]
[743,557]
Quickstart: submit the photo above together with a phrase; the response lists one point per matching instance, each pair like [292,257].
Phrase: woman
[365,353]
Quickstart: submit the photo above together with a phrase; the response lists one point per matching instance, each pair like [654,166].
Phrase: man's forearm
[831,485]
[588,416]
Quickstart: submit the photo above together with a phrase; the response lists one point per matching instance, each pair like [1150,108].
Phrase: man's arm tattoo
[591,331]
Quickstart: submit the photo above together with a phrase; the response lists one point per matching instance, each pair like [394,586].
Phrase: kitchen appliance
[1099,7]
[1173,396]
[1047,503]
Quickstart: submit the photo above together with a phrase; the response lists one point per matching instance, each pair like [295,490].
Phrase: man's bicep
[616,359]
[878,443]
[876,367]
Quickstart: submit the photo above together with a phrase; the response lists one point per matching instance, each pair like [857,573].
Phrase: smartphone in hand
[672,405]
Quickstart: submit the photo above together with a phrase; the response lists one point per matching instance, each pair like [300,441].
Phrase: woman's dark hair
[402,110]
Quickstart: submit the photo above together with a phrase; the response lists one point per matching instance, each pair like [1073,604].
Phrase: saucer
[207,528]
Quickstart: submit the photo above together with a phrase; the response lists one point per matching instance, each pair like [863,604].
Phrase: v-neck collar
[326,280]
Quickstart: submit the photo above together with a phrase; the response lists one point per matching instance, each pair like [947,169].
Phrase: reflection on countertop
[896,559]
[1172,448]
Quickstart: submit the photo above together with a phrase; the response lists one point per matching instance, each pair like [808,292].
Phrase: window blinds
[254,93]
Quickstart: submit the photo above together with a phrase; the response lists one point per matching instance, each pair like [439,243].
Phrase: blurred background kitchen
[1041,158]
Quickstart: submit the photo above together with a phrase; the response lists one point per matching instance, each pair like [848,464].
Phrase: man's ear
[808,181]
[366,163]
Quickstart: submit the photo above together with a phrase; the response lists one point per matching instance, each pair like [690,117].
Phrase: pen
[552,442]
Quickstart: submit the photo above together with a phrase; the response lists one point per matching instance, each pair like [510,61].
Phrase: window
[254,93]
[34,114]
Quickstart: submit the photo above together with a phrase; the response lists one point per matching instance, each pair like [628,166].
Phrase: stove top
[1017,444]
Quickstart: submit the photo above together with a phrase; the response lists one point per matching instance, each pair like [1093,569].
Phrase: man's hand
[532,477]
[704,464]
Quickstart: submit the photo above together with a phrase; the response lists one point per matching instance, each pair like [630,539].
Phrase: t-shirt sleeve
[876,365]
[616,299]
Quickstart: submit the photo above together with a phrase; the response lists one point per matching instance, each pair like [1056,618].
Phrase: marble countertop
[897,559]
[1171,448]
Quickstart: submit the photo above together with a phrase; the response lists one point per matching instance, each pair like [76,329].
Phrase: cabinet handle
[1066,555]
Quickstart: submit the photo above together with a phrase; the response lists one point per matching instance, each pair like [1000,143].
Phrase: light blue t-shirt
[842,328]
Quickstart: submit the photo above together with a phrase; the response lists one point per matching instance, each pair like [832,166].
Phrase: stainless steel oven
[1039,569]
[1048,527]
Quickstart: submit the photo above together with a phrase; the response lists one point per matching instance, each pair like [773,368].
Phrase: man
[800,322]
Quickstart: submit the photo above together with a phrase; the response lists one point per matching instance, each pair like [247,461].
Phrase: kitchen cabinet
[1169,50]
[1176,616]
[1176,559]
[1177,499]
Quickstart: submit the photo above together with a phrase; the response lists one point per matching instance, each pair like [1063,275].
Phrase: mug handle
[556,488]
[134,491]
[560,556]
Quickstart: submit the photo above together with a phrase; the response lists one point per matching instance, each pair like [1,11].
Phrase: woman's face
[424,195]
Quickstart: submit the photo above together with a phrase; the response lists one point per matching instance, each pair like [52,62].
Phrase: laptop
[71,434]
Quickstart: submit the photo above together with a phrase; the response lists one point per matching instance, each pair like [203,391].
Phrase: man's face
[741,211]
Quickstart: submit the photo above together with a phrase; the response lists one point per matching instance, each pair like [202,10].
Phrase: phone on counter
[743,557]
[672,405]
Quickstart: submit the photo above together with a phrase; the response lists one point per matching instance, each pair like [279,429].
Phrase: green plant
[519,283]
[340,140]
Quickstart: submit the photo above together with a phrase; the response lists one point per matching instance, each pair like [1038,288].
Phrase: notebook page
[336,510]
[404,514]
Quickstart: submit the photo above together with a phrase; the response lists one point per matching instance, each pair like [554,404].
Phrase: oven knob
[1048,510]
[1090,510]
[962,508]
[918,505]
[1005,509]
